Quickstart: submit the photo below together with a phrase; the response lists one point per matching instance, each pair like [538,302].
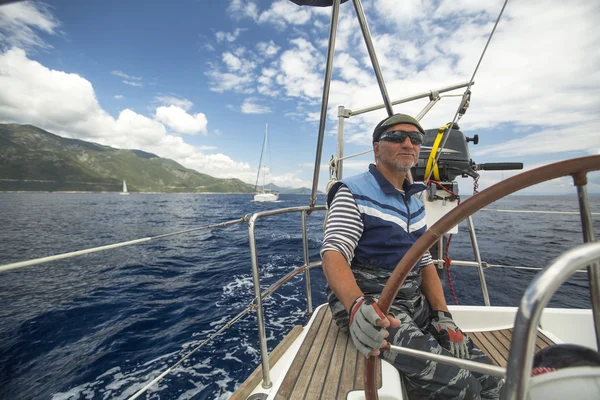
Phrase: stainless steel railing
[536,298]
[266,381]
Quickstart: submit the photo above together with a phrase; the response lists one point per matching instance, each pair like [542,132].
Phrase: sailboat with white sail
[263,194]
[124,192]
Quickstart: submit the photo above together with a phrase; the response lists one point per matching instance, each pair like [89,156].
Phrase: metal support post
[340,143]
[306,262]
[325,99]
[440,254]
[593,269]
[362,20]
[484,289]
[432,102]
[262,337]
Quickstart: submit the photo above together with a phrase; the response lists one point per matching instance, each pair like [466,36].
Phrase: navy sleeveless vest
[392,220]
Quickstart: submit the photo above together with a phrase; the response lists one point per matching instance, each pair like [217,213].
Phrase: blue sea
[100,326]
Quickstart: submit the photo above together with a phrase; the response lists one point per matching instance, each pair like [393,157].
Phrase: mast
[261,157]
[265,163]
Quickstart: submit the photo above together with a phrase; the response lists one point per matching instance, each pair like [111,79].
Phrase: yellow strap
[431,161]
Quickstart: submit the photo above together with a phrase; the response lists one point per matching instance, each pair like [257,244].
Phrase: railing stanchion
[484,289]
[593,269]
[262,337]
[306,262]
[340,143]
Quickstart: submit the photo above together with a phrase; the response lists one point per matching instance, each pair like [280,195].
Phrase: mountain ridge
[32,159]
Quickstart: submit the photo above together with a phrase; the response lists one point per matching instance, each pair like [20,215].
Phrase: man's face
[396,156]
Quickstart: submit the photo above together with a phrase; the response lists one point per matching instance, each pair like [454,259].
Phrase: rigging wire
[467,92]
[21,264]
[537,211]
[250,307]
[262,150]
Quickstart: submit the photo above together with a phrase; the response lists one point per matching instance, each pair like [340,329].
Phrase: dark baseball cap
[395,120]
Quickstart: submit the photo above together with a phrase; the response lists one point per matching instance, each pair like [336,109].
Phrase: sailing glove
[365,333]
[450,337]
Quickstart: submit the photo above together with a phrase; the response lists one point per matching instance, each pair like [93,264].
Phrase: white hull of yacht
[266,197]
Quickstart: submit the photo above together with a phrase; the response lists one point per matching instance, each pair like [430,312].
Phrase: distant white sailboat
[124,188]
[265,194]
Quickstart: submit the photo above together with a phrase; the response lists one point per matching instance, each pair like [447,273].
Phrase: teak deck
[328,366]
[496,344]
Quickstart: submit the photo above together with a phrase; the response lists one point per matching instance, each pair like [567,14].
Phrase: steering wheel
[577,168]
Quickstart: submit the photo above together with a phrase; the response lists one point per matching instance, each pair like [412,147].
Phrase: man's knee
[446,382]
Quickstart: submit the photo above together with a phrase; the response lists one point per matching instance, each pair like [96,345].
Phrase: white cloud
[19,22]
[250,107]
[184,104]
[224,81]
[34,94]
[128,79]
[290,179]
[266,82]
[584,138]
[66,104]
[402,12]
[123,75]
[180,121]
[513,84]
[267,49]
[228,36]
[299,70]
[146,131]
[284,12]
[243,9]
[240,75]
[118,97]
[232,62]
[206,148]
[131,83]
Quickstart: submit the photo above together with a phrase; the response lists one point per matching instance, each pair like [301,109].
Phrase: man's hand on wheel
[367,326]
[449,336]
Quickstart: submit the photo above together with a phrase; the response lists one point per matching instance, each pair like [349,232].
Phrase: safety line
[535,211]
[251,307]
[524,268]
[36,261]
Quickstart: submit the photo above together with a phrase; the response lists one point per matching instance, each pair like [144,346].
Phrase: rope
[447,259]
[21,264]
[431,161]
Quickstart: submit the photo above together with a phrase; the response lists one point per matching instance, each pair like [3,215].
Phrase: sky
[197,81]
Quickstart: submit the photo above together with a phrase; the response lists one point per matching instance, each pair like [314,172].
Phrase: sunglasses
[400,136]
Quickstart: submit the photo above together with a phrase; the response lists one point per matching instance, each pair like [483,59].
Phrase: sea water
[102,325]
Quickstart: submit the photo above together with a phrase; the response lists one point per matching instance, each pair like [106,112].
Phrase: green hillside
[289,190]
[32,159]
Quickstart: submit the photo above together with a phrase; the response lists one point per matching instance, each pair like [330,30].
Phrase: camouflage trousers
[425,379]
